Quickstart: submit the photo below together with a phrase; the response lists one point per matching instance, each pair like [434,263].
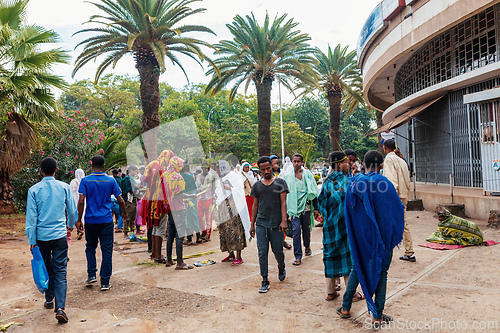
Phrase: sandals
[297,262]
[184,267]
[358,297]
[377,323]
[343,315]
[331,297]
[308,251]
[160,260]
[169,263]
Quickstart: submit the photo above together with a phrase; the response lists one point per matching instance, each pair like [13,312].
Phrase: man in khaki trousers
[396,170]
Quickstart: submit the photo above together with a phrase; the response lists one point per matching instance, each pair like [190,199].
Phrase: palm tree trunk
[149,75]
[379,124]
[6,194]
[334,97]
[264,114]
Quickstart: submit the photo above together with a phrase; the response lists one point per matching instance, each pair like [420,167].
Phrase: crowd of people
[362,212]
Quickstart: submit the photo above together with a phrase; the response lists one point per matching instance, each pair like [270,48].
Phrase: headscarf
[162,160]
[224,168]
[287,167]
[248,175]
[276,173]
[173,178]
[75,183]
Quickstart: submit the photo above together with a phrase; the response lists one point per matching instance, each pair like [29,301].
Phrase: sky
[327,22]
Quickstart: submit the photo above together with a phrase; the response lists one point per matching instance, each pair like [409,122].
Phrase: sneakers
[264,287]
[105,287]
[408,258]
[282,274]
[48,305]
[228,258]
[61,316]
[237,262]
[90,280]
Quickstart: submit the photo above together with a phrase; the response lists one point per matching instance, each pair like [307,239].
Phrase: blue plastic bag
[40,274]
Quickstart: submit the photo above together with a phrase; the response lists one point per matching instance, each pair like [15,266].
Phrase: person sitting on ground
[375,224]
[455,230]
[48,204]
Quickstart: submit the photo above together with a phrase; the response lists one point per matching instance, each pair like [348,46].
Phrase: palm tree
[261,54]
[25,95]
[340,80]
[150,30]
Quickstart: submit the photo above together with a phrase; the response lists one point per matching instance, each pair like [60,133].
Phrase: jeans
[264,237]
[380,291]
[175,219]
[298,223]
[95,233]
[55,256]
[116,209]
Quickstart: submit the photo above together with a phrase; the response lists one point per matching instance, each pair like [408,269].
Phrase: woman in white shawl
[232,232]
[75,185]
[249,180]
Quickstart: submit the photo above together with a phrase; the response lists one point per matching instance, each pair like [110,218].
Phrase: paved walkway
[454,290]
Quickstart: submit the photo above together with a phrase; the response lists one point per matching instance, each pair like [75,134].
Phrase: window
[489,122]
[467,46]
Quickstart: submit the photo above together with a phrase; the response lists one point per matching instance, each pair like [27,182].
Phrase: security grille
[433,151]
[467,135]
[472,44]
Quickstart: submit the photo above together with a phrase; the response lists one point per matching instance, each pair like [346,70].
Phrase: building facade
[433,68]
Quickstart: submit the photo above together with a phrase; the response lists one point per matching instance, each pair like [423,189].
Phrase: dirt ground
[454,290]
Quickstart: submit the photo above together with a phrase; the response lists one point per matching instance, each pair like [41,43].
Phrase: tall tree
[151,31]
[340,81]
[261,54]
[25,89]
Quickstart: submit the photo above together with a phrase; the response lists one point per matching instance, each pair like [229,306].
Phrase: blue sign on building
[372,27]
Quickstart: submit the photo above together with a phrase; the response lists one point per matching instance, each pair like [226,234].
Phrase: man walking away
[96,190]
[47,205]
[269,219]
[396,170]
[375,222]
[303,195]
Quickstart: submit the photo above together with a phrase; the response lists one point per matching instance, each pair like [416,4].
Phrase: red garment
[152,210]
[205,217]
[249,200]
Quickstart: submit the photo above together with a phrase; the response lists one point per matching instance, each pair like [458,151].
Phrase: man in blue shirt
[47,205]
[96,189]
